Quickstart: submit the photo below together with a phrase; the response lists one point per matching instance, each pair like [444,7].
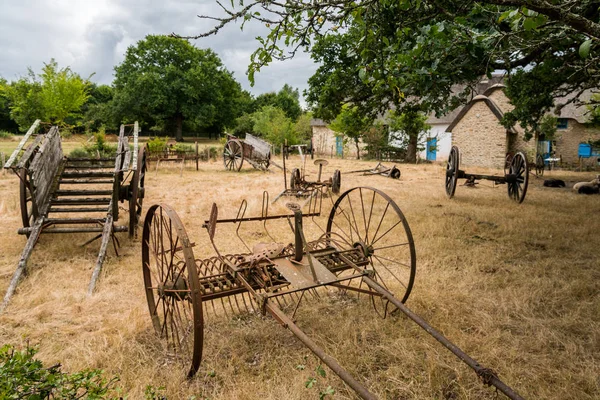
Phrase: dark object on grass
[588,190]
[554,183]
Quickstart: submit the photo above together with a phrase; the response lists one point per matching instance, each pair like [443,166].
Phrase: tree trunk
[411,149]
[357,149]
[178,127]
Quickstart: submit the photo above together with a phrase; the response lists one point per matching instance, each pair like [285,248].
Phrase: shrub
[5,135]
[23,376]
[157,145]
[183,148]
[79,153]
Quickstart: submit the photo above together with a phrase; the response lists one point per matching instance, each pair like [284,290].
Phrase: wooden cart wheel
[295,179]
[28,212]
[233,155]
[517,187]
[172,286]
[336,182]
[395,173]
[507,162]
[367,219]
[539,165]
[452,171]
[136,199]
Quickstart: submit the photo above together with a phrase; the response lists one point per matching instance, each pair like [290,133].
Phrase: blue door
[431,149]
[339,146]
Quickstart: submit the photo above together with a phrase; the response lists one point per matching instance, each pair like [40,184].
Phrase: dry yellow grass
[517,287]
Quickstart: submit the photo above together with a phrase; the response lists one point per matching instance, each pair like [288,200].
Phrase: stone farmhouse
[483,141]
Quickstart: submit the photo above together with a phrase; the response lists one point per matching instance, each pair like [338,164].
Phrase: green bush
[24,377]
[5,135]
[157,144]
[99,148]
[79,153]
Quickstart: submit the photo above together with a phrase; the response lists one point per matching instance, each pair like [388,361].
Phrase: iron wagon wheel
[367,219]
[539,165]
[452,171]
[395,173]
[517,187]
[136,199]
[336,182]
[507,162]
[172,285]
[233,155]
[28,211]
[295,179]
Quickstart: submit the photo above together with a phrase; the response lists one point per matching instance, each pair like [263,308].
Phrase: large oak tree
[167,79]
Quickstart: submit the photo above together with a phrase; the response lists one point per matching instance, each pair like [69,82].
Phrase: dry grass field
[515,286]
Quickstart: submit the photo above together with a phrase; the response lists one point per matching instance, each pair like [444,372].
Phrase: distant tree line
[167,85]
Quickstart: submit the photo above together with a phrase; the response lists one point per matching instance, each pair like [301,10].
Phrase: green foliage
[55,96]
[157,144]
[287,99]
[6,122]
[5,135]
[183,148]
[272,124]
[23,376]
[352,124]
[376,139]
[168,80]
[243,125]
[406,54]
[408,129]
[98,148]
[303,128]
[311,381]
[155,393]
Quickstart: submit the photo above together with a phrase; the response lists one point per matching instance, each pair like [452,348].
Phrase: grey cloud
[92,37]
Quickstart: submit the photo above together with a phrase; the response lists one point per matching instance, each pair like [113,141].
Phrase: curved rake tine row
[60,194]
[516,177]
[367,248]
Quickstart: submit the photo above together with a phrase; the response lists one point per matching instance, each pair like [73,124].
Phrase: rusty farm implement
[300,187]
[516,176]
[363,246]
[380,169]
[60,194]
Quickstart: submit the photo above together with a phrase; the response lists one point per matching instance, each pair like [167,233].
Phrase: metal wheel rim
[336,182]
[368,217]
[233,155]
[295,179]
[452,171]
[182,321]
[136,201]
[28,214]
[539,165]
[519,168]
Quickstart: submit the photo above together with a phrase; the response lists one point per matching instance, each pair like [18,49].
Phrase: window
[562,123]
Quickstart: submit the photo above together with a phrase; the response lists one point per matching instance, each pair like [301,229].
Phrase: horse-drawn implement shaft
[22,267]
[487,375]
[106,234]
[287,322]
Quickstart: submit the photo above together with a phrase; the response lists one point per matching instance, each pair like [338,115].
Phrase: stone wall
[567,143]
[324,142]
[480,138]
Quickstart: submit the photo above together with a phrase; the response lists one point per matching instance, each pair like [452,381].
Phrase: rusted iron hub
[365,249]
[176,288]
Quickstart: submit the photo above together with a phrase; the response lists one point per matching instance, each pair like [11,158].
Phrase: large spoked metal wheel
[518,178]
[295,179]
[452,171]
[367,219]
[539,165]
[395,173]
[233,155]
[136,199]
[336,182]
[28,211]
[172,286]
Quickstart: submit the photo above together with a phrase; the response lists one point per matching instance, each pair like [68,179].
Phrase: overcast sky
[91,36]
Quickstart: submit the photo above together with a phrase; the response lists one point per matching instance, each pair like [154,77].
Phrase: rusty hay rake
[60,194]
[365,246]
[380,169]
[516,176]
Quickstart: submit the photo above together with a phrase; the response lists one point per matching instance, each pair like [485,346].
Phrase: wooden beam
[15,153]
[106,233]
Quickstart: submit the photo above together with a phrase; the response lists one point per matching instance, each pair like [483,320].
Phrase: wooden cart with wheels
[252,149]
[60,194]
[516,178]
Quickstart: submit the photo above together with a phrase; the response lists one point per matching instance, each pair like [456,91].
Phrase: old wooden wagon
[60,194]
[252,149]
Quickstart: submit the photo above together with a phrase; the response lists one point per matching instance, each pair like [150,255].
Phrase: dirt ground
[515,286]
